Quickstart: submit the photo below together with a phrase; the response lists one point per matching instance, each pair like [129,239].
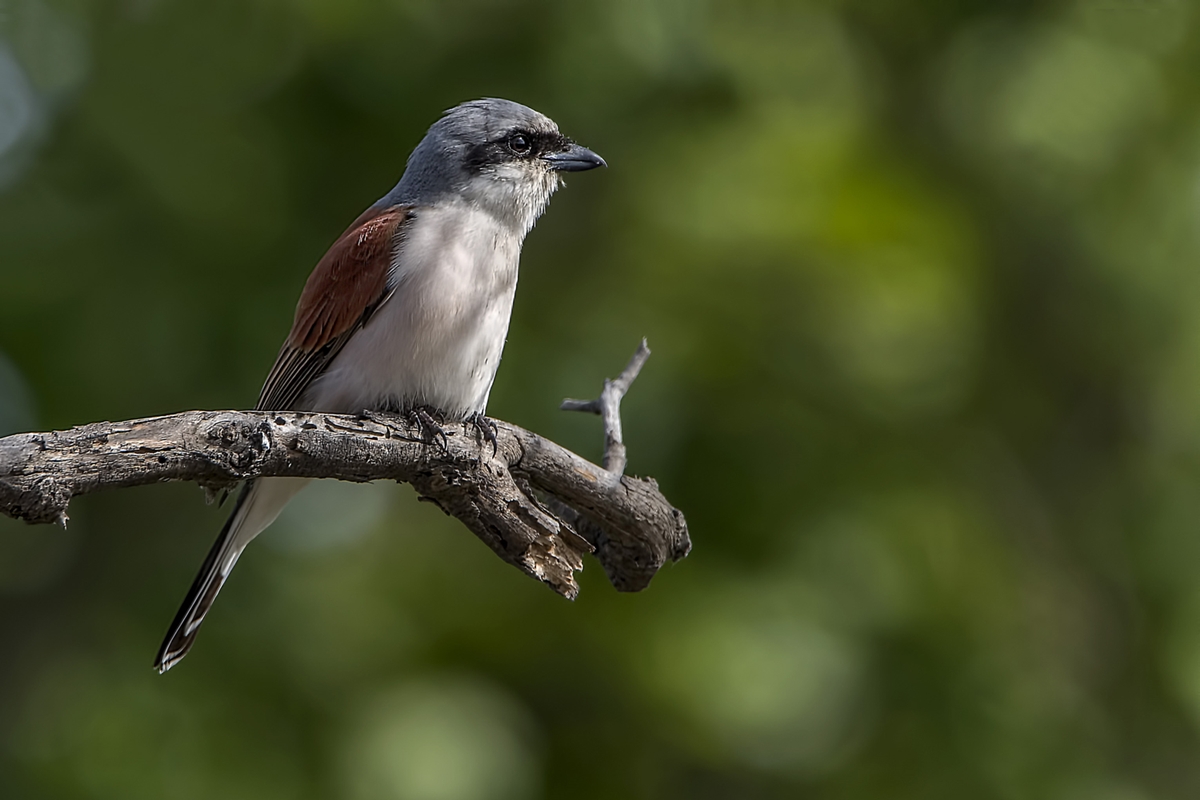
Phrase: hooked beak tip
[576,158]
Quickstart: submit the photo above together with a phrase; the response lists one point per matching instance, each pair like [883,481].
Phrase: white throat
[515,193]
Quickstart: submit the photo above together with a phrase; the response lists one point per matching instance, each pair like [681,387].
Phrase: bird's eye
[519,144]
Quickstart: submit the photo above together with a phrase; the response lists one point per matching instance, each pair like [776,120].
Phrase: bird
[409,308]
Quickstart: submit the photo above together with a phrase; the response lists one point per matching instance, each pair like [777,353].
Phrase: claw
[430,426]
[487,429]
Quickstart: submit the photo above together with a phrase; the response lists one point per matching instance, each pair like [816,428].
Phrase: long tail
[257,506]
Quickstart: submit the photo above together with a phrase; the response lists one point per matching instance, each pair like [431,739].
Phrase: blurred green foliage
[922,284]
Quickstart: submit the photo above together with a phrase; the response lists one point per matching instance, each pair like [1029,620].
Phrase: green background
[921,280]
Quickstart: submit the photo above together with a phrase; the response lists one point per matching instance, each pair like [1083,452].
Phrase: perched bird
[409,309]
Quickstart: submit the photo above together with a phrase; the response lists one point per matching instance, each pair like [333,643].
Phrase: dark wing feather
[345,288]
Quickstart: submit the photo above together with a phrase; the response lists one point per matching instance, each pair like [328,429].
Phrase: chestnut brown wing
[346,287]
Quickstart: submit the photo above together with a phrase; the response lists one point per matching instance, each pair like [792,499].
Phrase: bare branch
[621,554]
[538,506]
[608,406]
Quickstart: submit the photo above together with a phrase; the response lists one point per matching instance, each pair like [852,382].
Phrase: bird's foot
[486,428]
[429,426]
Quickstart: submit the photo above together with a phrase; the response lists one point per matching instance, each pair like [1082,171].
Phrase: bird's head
[502,155]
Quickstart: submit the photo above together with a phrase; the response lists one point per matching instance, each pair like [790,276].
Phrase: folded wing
[347,286]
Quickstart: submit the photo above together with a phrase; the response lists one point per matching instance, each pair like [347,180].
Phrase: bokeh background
[922,282]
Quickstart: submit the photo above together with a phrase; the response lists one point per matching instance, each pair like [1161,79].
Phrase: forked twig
[608,406]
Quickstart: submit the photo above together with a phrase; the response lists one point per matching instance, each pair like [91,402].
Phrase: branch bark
[537,505]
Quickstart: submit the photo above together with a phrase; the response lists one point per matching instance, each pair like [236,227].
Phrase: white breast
[437,341]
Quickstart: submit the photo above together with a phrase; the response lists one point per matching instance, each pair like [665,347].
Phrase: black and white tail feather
[199,599]
[257,506]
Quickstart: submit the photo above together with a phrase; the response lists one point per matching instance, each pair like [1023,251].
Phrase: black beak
[575,158]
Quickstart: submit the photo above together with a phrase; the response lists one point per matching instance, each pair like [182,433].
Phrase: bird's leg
[429,425]
[486,428]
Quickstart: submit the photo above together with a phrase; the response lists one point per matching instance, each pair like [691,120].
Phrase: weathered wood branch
[538,506]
